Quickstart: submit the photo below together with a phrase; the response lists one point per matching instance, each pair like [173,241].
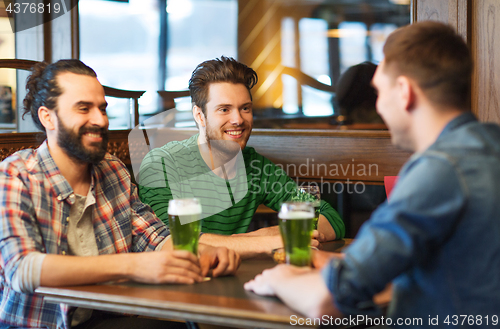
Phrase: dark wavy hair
[224,69]
[42,88]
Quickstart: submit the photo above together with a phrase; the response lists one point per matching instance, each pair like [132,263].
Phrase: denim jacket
[437,239]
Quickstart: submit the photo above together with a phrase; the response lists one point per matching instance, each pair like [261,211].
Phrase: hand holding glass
[184,223]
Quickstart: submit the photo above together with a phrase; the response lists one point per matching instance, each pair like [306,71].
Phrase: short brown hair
[436,57]
[224,69]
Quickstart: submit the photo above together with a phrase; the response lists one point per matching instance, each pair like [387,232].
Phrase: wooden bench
[325,157]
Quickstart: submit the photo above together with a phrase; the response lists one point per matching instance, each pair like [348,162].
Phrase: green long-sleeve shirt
[177,170]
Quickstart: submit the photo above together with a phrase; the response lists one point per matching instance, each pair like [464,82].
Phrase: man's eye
[223,110]
[247,109]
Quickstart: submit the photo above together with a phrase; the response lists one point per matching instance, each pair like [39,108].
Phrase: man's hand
[264,284]
[321,258]
[317,238]
[301,288]
[176,266]
[220,260]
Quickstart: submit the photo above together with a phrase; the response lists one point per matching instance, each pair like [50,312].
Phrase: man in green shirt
[230,179]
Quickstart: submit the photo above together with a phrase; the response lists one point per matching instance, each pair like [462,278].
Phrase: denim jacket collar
[457,122]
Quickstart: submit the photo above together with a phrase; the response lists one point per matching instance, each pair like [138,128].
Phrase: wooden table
[220,301]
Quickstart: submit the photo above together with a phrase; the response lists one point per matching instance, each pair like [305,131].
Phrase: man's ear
[199,117]
[407,92]
[47,118]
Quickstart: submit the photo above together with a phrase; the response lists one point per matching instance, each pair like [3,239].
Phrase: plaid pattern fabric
[35,202]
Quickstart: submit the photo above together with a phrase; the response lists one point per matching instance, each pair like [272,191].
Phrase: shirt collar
[59,184]
[460,120]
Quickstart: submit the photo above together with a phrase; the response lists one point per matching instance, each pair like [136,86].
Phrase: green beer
[296,226]
[184,223]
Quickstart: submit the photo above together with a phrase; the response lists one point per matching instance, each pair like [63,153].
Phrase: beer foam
[296,215]
[183,210]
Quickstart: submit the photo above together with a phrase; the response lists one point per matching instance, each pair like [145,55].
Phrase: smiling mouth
[93,135]
[234,133]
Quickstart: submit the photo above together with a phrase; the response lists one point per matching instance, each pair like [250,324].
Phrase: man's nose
[236,118]
[99,117]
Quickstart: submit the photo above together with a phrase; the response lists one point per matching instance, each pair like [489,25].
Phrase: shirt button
[63,253]
[67,219]
[59,197]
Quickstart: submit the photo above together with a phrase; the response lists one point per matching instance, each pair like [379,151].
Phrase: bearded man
[71,215]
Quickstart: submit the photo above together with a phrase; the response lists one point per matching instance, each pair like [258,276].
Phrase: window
[7,76]
[119,40]
[299,49]
[122,42]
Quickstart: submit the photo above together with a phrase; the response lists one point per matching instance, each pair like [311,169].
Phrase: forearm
[247,246]
[58,270]
[331,220]
[325,228]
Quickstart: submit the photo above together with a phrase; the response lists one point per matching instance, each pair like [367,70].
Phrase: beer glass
[309,193]
[184,223]
[296,226]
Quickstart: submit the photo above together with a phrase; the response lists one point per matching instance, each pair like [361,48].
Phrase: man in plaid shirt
[70,214]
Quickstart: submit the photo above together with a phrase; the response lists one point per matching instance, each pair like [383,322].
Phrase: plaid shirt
[35,202]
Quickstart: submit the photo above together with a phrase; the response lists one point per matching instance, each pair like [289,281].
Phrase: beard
[72,145]
[223,150]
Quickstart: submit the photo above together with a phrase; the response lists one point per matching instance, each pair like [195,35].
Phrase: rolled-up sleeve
[424,209]
[28,275]
[147,229]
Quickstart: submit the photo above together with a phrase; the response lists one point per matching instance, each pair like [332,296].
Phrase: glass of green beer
[184,223]
[296,226]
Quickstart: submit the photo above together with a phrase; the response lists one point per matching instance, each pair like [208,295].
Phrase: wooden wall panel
[331,156]
[316,155]
[459,17]
[11,143]
[453,12]
[436,10]
[485,46]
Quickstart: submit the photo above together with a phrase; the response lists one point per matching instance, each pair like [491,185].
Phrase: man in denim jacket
[436,240]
